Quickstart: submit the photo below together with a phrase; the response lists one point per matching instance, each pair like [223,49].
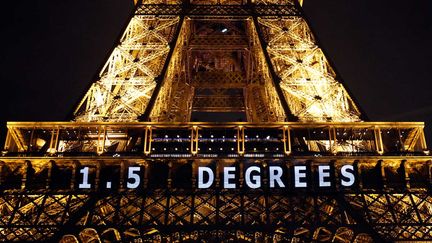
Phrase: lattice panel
[307,79]
[264,102]
[215,79]
[174,100]
[205,209]
[36,217]
[396,215]
[220,42]
[128,78]
[392,216]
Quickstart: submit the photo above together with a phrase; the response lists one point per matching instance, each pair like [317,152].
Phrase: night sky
[52,50]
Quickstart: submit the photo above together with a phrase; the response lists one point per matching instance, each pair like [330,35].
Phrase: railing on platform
[204,139]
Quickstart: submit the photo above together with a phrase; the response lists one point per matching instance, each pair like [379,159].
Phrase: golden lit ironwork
[128,78]
[127,168]
[142,137]
[308,81]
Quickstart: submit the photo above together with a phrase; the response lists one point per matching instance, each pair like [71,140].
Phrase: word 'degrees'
[276,177]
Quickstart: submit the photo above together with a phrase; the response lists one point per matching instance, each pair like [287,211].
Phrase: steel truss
[219,10]
[149,76]
[129,77]
[166,208]
[306,78]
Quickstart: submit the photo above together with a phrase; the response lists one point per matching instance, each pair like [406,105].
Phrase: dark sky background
[51,50]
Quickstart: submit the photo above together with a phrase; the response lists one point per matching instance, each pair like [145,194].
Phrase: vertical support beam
[26,174]
[99,167]
[275,78]
[159,80]
[194,140]
[429,173]
[101,140]
[146,175]
[358,171]
[193,179]
[217,174]
[54,141]
[7,142]
[30,142]
[75,166]
[378,141]
[334,176]
[381,169]
[240,140]
[2,168]
[51,165]
[267,192]
[241,180]
[148,140]
[123,167]
[286,139]
[423,143]
[290,174]
[217,196]
[169,179]
[193,182]
[405,174]
[333,140]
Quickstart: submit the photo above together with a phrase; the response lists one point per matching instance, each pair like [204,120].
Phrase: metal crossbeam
[218,10]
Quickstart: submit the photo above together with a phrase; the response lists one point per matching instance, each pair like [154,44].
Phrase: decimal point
[108,184]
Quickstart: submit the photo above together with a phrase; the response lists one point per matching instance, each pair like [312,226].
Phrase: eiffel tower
[216,121]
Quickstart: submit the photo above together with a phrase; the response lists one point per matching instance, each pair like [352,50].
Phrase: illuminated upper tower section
[256,58]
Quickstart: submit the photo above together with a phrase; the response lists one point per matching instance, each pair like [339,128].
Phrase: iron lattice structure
[178,60]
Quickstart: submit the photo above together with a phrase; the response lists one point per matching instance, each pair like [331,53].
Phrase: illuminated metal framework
[41,200]
[395,205]
[178,58]
[279,64]
[206,139]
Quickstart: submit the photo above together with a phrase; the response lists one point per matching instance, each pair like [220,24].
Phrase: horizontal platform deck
[215,140]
